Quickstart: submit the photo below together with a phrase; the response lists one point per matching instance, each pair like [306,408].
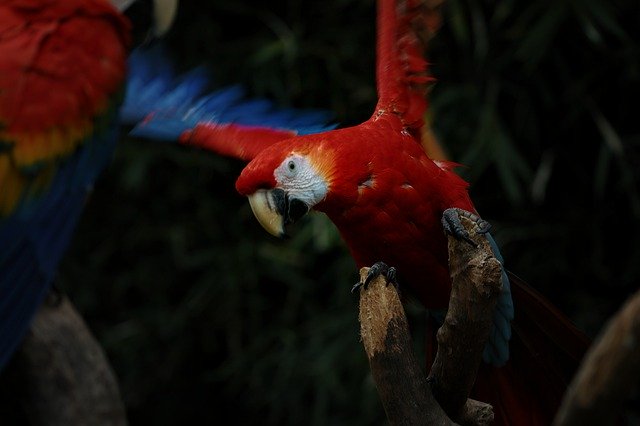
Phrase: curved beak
[164,13]
[274,209]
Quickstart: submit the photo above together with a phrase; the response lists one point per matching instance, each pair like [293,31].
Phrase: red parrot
[62,70]
[63,77]
[387,199]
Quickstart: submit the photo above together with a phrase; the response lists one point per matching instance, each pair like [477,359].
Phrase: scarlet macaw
[387,198]
[62,80]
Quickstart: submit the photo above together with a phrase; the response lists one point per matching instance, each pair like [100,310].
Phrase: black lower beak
[291,209]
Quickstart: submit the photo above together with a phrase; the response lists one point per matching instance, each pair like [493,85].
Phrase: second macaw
[63,77]
[387,198]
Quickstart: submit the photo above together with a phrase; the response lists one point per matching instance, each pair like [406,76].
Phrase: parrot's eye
[290,168]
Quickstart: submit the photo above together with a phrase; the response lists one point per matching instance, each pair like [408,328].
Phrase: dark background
[205,316]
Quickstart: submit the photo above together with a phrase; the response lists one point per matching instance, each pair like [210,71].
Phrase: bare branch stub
[476,284]
[608,372]
[62,374]
[402,385]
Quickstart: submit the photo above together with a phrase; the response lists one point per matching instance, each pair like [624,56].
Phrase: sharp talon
[381,268]
[370,277]
[356,286]
[392,276]
[377,269]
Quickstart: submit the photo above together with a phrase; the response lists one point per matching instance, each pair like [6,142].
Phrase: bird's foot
[452,225]
[377,269]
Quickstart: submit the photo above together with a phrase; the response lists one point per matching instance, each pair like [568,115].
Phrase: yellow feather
[57,142]
[323,161]
[12,184]
[41,149]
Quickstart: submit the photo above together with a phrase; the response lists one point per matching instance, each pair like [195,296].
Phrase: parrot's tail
[546,349]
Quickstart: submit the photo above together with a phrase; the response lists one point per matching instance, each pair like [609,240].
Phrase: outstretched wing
[62,66]
[181,109]
[401,70]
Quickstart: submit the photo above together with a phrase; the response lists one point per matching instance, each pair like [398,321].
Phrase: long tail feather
[546,349]
[28,269]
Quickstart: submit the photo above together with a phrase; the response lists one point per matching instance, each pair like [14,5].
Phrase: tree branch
[402,387]
[608,372]
[62,373]
[476,284]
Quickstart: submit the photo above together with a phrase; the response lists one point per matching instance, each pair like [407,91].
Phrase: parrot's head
[287,180]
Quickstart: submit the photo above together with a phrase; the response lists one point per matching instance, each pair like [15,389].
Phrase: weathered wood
[401,384]
[608,373]
[476,413]
[61,373]
[476,284]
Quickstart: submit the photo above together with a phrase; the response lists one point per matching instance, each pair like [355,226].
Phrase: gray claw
[452,225]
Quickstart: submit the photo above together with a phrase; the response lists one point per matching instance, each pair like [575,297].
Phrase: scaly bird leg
[452,225]
[377,269]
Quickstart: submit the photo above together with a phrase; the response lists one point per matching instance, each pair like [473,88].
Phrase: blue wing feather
[168,105]
[36,240]
[19,287]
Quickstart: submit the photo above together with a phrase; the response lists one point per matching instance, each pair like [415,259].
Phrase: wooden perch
[402,385]
[476,285]
[62,374]
[406,395]
[608,372]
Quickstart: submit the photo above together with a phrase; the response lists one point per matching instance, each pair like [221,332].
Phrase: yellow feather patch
[12,184]
[32,149]
[29,166]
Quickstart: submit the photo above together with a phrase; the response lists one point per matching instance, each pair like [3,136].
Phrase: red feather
[54,80]
[232,140]
[53,88]
[401,68]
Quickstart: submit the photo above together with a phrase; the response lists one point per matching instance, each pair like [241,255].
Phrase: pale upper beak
[274,209]
[164,13]
[263,207]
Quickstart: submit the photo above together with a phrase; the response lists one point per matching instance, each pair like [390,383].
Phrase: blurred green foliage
[205,317]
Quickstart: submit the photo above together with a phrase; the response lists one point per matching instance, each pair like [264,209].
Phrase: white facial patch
[296,176]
